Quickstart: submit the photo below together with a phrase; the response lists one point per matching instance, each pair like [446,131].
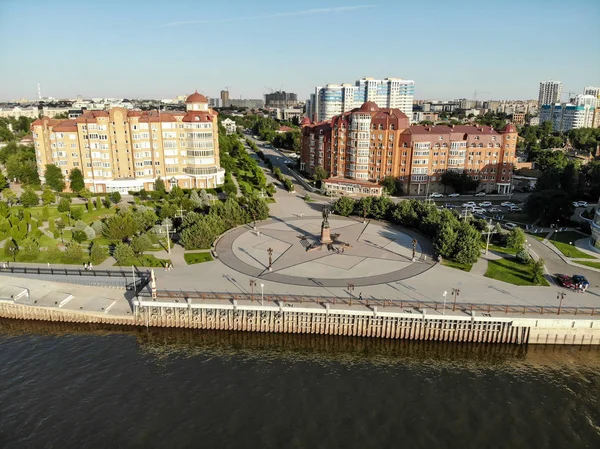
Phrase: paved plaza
[364,253]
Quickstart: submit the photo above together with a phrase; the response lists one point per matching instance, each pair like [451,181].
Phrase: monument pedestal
[326,234]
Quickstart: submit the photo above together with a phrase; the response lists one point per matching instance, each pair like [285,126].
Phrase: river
[70,386]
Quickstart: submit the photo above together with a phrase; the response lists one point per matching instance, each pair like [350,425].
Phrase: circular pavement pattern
[362,253]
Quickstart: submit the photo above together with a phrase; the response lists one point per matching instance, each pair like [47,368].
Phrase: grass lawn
[567,237]
[501,249]
[571,251]
[588,263]
[511,271]
[539,237]
[457,265]
[146,260]
[193,258]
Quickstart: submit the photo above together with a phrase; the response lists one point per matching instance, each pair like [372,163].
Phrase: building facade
[229,125]
[370,143]
[567,116]
[335,99]
[594,91]
[281,99]
[224,98]
[550,92]
[122,150]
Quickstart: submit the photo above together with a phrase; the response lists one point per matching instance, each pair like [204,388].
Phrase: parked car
[478,210]
[480,194]
[507,204]
[580,280]
[485,204]
[454,195]
[469,204]
[449,206]
[564,280]
[436,195]
[494,209]
[510,226]
[515,209]
[579,203]
[481,216]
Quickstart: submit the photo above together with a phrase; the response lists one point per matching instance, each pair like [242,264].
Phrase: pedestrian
[91,267]
[343,249]
[48,264]
[360,296]
[85,266]
[166,266]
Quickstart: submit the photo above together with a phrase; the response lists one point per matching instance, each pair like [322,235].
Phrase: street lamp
[414,249]
[252,285]
[455,293]
[262,294]
[445,294]
[489,233]
[560,296]
[270,252]
[350,290]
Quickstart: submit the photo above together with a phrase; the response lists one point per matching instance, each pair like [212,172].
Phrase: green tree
[98,203]
[140,244]
[389,184]
[445,241]
[64,205]
[120,227]
[11,249]
[516,239]
[289,185]
[9,196]
[29,198]
[196,200]
[522,256]
[467,244]
[202,233]
[363,206]
[3,181]
[320,174]
[380,207]
[79,236]
[115,197]
[73,252]
[549,206]
[60,227]
[85,194]
[54,178]
[159,185]
[538,271]
[76,180]
[46,213]
[257,208]
[123,254]
[77,213]
[48,197]
[97,253]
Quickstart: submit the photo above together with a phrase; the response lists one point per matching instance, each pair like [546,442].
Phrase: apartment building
[549,93]
[335,99]
[595,92]
[566,116]
[360,147]
[122,150]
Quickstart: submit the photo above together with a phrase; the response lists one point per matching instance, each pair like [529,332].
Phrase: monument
[325,228]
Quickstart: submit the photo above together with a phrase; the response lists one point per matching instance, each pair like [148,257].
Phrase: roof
[196,98]
[447,129]
[509,128]
[369,106]
[66,126]
[197,116]
[285,129]
[305,121]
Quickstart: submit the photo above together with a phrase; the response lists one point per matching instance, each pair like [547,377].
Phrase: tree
[98,203]
[380,207]
[202,233]
[54,178]
[76,180]
[73,252]
[467,244]
[516,239]
[64,205]
[3,181]
[29,198]
[159,185]
[123,253]
[392,186]
[445,241]
[9,196]
[120,227]
[115,197]
[549,206]
[289,185]
[196,200]
[522,256]
[538,271]
[204,198]
[11,249]
[320,174]
[140,244]
[85,194]
[97,253]
[363,206]
[77,213]
[48,197]
[257,208]
[79,236]
[60,226]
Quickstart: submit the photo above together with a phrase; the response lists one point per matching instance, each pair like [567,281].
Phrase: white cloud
[306,12]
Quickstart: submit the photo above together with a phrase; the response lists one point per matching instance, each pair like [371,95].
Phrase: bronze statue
[325,214]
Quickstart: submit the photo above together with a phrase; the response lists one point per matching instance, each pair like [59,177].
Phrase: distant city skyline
[151,50]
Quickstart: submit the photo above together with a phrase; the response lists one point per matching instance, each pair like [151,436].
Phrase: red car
[565,280]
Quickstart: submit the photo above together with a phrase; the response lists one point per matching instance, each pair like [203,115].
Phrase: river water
[68,386]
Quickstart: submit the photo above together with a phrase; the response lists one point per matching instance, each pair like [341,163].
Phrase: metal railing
[71,272]
[408,306]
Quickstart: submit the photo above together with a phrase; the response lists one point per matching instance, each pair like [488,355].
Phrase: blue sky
[151,48]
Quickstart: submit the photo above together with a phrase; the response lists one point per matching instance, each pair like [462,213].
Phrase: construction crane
[270,89]
[570,97]
[477,92]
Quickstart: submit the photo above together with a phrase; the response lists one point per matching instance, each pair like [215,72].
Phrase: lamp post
[262,294]
[414,248]
[350,289]
[560,296]
[444,310]
[455,293]
[252,285]
[489,233]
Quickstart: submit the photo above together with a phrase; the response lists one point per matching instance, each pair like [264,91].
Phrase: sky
[161,49]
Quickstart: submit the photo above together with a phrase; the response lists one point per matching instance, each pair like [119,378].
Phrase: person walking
[360,296]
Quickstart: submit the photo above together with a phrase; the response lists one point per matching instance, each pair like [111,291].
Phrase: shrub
[73,252]
[90,234]
[79,236]
[97,253]
[522,256]
[123,253]
[538,271]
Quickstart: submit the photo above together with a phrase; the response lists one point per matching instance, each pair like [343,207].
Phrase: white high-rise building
[334,99]
[550,92]
[567,116]
[595,91]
